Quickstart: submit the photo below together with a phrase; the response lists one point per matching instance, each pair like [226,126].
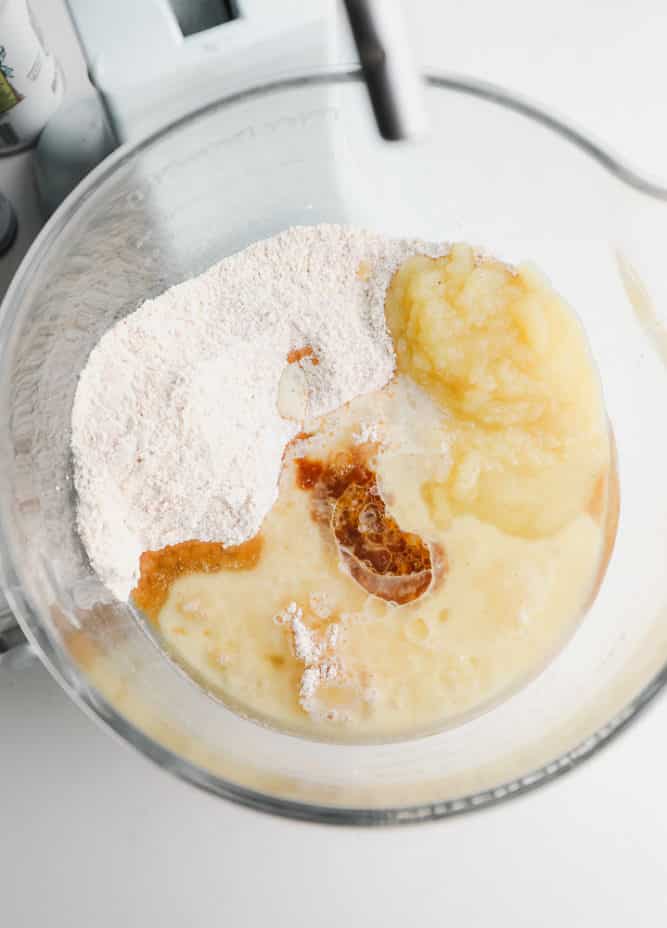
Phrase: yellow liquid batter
[492,446]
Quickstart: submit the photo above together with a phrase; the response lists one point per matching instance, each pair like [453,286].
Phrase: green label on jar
[9,96]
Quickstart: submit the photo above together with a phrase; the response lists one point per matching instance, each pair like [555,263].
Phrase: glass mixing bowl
[493,171]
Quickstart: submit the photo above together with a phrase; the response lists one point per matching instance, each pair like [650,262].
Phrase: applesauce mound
[505,356]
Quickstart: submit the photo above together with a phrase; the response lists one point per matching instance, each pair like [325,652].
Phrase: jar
[31,81]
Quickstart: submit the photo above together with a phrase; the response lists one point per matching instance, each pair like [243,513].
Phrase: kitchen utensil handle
[14,648]
[394,84]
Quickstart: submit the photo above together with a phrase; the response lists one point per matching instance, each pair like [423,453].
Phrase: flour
[176,428]
[306,646]
[316,652]
[368,433]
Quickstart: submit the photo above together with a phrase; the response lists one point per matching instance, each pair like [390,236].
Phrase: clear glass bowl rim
[94,705]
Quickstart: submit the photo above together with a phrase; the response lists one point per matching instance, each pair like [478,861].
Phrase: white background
[92,835]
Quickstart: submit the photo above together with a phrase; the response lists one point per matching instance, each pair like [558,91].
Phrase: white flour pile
[176,433]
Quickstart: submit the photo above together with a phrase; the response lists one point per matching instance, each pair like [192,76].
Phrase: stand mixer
[302,148]
[178,57]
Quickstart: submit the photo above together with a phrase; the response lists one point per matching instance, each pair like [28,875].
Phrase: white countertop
[92,835]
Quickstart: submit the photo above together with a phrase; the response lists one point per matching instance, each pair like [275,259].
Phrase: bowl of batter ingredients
[385,494]
[312,448]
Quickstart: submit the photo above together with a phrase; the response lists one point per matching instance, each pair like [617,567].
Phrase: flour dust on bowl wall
[338,474]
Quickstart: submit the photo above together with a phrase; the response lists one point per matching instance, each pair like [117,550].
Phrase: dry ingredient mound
[176,428]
